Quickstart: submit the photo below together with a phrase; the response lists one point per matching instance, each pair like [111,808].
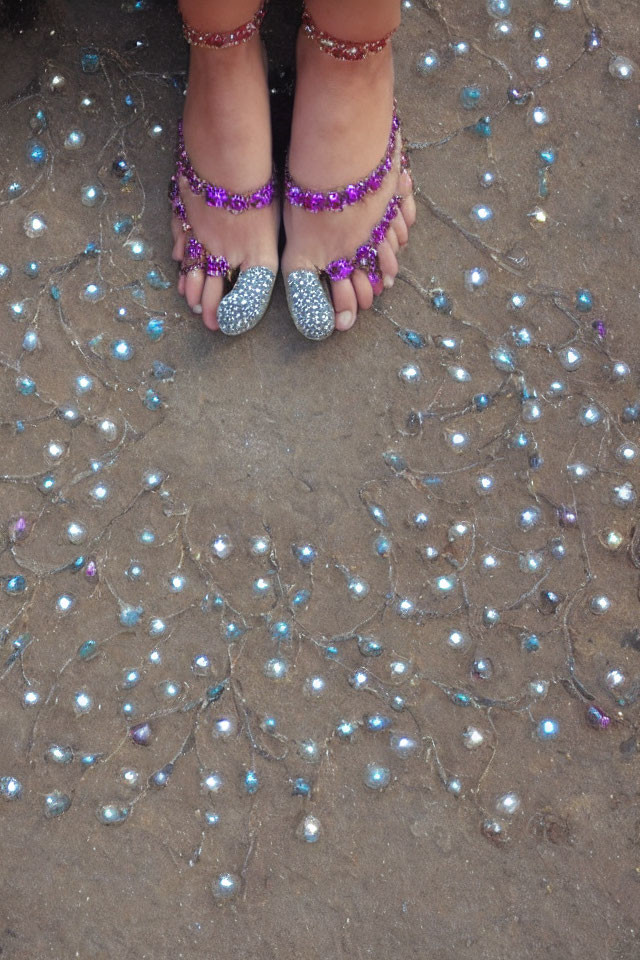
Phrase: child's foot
[227,133]
[341,124]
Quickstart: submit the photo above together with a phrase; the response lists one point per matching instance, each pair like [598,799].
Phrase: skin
[341,122]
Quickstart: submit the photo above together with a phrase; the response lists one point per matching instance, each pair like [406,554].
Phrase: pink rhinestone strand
[219,41]
[350,50]
[317,201]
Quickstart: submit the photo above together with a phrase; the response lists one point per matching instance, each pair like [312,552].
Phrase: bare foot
[341,125]
[227,133]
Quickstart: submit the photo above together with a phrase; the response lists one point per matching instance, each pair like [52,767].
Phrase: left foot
[341,122]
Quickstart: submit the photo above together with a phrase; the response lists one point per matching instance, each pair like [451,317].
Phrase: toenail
[197,308]
[345,318]
[387,282]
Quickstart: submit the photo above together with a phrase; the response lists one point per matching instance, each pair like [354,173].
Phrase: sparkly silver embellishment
[246,304]
[309,305]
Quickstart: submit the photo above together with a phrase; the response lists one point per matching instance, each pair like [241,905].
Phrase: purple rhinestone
[339,269]
[374,277]
[315,202]
[374,182]
[294,196]
[220,197]
[365,255]
[597,717]
[334,200]
[351,193]
[238,203]
[378,233]
[600,328]
[209,195]
[141,733]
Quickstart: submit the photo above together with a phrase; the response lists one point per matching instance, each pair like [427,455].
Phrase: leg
[341,127]
[227,136]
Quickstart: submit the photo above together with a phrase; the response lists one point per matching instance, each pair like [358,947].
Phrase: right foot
[227,133]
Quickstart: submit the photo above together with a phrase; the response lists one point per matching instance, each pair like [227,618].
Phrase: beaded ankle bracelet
[350,50]
[338,198]
[200,38]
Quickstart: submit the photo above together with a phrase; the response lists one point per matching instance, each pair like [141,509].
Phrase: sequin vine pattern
[470,624]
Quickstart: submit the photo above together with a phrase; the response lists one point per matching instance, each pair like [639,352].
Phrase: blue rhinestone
[121,350]
[460,698]
[151,400]
[440,302]
[369,647]
[547,155]
[470,97]
[547,729]
[156,281]
[36,152]
[301,598]
[584,301]
[155,328]
[394,461]
[377,721]
[251,781]
[89,759]
[481,401]
[14,189]
[92,249]
[503,360]
[90,60]
[281,630]
[162,371]
[131,616]
[306,553]
[331,652]
[233,631]
[214,693]
[54,292]
[412,338]
[15,585]
[382,546]
[269,724]
[32,268]
[531,643]
[88,650]
[26,386]
[376,777]
[301,787]
[482,127]
[123,226]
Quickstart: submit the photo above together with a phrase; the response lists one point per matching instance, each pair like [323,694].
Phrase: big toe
[309,305]
[246,304]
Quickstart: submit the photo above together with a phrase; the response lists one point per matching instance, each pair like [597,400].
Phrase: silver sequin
[246,304]
[309,305]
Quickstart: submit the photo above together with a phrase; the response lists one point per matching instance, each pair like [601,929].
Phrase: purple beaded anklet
[316,201]
[216,196]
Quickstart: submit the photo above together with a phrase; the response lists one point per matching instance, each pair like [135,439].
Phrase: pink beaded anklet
[219,41]
[350,50]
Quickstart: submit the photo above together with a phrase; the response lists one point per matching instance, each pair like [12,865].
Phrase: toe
[246,304]
[408,210]
[181,284]
[400,228]
[193,289]
[364,290]
[309,305]
[211,294]
[388,263]
[178,240]
[345,303]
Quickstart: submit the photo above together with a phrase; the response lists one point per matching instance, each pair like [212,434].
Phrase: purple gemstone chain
[366,256]
[316,201]
[217,196]
[196,257]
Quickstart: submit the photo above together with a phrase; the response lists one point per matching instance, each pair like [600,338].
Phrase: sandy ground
[324,444]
